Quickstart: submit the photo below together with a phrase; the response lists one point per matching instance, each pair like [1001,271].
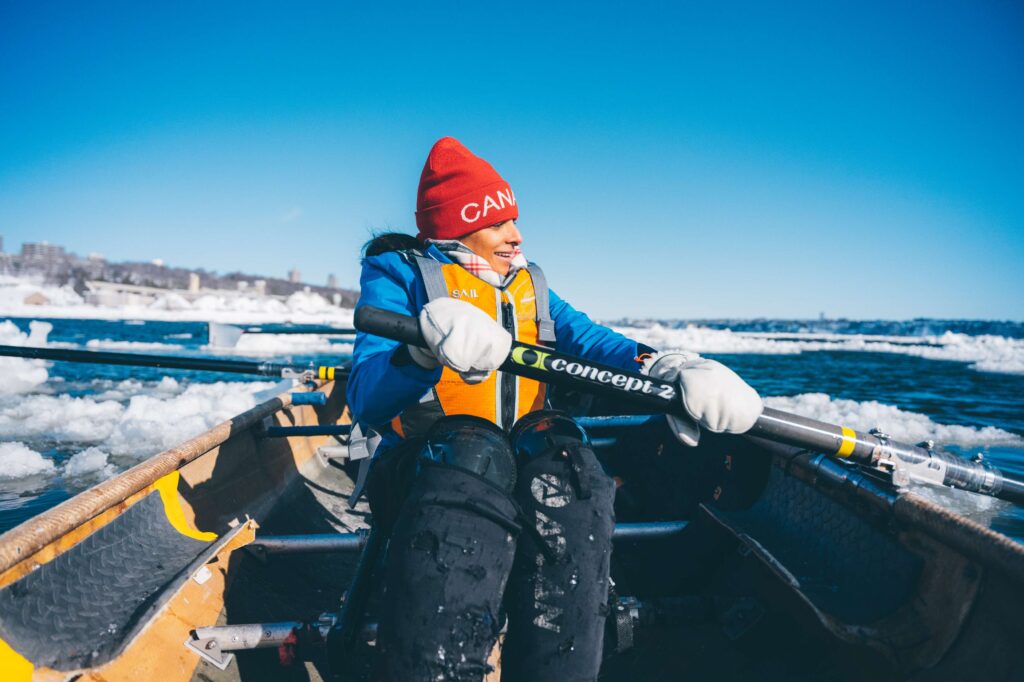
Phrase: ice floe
[17,460]
[910,427]
[987,353]
[89,462]
[161,417]
[134,346]
[18,375]
[284,344]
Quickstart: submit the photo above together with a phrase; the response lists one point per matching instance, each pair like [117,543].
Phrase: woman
[493,511]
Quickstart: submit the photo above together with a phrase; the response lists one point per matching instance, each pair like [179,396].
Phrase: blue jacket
[379,390]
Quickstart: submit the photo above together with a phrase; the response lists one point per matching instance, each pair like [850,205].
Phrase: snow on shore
[62,302]
[985,353]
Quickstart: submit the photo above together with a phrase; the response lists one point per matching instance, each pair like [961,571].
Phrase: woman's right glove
[713,395]
[461,336]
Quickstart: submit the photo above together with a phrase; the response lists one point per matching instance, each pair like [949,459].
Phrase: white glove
[713,395]
[461,336]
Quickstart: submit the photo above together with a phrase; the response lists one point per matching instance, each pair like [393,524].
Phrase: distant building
[1,243]
[260,286]
[42,252]
[96,257]
[332,281]
[193,282]
[294,276]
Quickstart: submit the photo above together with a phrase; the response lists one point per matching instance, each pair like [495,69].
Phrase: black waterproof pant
[461,548]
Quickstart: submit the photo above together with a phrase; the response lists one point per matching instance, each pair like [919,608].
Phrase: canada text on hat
[460,193]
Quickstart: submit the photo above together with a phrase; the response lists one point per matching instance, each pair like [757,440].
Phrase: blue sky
[670,159]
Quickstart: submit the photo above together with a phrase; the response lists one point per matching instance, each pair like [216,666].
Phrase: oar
[227,335]
[266,369]
[906,462]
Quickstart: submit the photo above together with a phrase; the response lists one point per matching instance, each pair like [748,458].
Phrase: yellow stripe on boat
[168,488]
[848,442]
[14,666]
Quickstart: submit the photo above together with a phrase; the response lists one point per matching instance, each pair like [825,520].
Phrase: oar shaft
[550,366]
[918,463]
[267,369]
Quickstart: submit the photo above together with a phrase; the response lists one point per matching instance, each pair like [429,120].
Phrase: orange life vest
[502,398]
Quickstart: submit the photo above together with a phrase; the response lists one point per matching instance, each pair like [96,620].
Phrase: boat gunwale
[35,534]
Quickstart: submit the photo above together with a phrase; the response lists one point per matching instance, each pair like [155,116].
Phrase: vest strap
[361,447]
[433,278]
[437,287]
[545,325]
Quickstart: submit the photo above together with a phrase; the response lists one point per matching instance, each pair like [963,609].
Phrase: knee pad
[544,430]
[557,594]
[475,445]
[550,441]
[449,556]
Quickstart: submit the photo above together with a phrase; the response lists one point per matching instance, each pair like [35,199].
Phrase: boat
[237,555]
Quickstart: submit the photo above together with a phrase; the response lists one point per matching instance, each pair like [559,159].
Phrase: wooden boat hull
[805,573]
[109,584]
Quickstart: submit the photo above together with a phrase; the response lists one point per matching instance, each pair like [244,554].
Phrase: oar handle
[552,367]
[390,325]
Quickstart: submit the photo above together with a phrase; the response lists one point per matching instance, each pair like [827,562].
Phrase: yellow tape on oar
[326,373]
[848,442]
[168,488]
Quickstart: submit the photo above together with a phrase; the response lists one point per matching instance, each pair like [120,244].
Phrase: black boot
[558,590]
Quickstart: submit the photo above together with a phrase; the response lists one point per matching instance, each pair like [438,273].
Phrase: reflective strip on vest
[485,399]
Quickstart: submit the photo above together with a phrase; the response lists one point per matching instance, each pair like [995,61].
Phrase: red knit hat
[460,193]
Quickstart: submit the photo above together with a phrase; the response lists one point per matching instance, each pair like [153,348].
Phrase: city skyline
[56,263]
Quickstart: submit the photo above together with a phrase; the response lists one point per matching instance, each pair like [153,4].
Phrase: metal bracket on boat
[209,650]
[626,616]
[325,623]
[215,643]
[332,452]
[304,376]
[362,444]
[906,468]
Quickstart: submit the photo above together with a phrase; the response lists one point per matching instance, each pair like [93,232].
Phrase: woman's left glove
[713,395]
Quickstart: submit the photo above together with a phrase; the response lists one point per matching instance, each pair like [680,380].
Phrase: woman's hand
[713,395]
[462,337]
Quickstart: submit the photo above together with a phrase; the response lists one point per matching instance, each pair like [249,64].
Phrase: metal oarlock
[266,369]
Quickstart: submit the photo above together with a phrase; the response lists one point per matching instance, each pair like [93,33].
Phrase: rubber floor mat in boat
[77,610]
[845,565]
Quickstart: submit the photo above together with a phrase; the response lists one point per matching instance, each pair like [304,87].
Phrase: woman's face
[495,244]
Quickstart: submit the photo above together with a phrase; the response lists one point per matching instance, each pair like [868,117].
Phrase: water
[960,382]
[85,423]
